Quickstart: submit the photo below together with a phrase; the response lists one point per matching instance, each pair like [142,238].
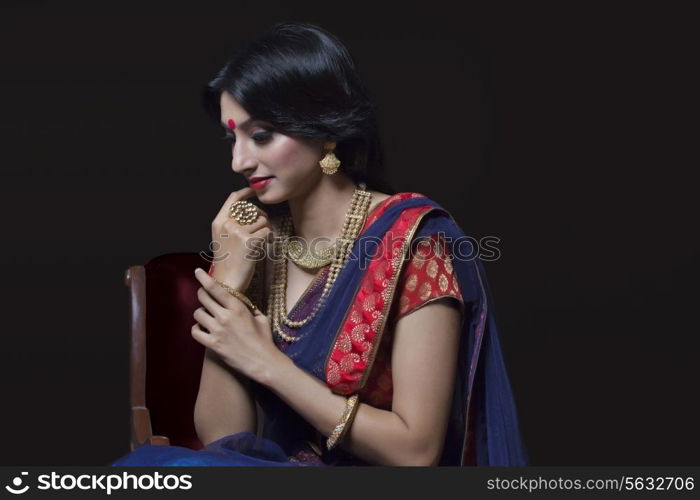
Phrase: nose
[242,159]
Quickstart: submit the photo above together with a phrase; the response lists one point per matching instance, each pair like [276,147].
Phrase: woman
[378,349]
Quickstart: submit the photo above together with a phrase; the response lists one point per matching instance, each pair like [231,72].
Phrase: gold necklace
[355,219]
[307,259]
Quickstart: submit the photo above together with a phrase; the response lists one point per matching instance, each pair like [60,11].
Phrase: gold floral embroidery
[344,343]
[417,262]
[443,283]
[333,372]
[448,264]
[358,332]
[424,290]
[356,316]
[432,268]
[368,303]
[403,304]
[380,272]
[411,282]
[365,354]
[346,363]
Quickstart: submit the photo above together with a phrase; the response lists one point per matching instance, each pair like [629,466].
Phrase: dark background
[565,131]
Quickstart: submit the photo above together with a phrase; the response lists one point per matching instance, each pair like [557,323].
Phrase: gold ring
[243,212]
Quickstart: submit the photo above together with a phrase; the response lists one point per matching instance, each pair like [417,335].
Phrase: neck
[320,213]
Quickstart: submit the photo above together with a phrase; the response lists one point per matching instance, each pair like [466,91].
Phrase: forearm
[224,405]
[377,436]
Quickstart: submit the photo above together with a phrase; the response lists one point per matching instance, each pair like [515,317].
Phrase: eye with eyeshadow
[260,137]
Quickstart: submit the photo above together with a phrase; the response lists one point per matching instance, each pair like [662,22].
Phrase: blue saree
[483,427]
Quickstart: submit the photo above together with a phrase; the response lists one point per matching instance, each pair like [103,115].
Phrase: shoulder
[377,198]
[383,201]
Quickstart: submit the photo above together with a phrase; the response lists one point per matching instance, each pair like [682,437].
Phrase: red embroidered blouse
[427,276]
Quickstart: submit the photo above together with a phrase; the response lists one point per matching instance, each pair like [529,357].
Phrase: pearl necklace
[355,219]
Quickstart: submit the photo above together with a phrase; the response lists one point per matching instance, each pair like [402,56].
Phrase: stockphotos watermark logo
[17,488]
[105,482]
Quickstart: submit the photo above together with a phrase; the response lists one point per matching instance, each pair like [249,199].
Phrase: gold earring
[330,163]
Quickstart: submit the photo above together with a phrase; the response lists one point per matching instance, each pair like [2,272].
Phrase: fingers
[263,213]
[203,318]
[210,305]
[256,234]
[201,336]
[253,240]
[223,299]
[213,289]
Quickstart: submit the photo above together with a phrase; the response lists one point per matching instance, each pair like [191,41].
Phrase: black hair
[303,81]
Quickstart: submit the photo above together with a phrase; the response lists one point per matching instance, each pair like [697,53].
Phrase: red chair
[166,362]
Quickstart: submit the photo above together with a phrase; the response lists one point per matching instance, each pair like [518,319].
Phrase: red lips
[259,182]
[253,180]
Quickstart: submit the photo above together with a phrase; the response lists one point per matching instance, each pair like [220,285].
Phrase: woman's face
[258,150]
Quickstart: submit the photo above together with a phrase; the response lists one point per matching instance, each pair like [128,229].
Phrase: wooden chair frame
[141,430]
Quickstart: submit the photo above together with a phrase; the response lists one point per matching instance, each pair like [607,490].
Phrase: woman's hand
[240,247]
[241,339]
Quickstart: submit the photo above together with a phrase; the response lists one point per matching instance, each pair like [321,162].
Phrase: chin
[271,198]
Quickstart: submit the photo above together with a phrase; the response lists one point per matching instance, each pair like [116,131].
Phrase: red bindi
[231,124]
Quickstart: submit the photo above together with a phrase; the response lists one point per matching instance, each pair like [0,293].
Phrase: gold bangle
[239,295]
[351,406]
